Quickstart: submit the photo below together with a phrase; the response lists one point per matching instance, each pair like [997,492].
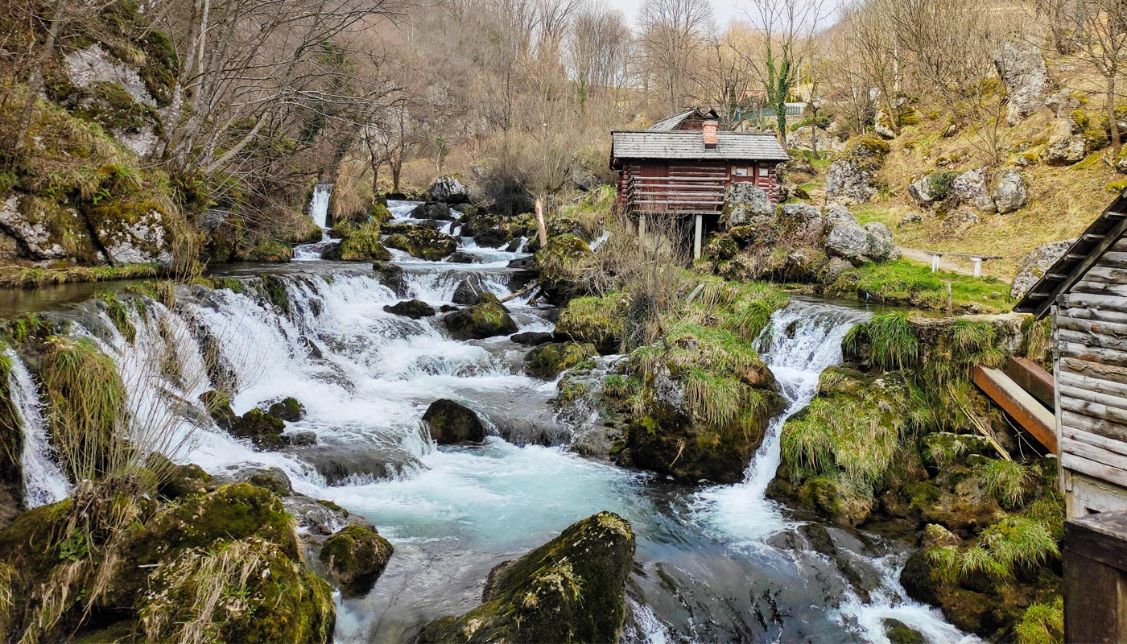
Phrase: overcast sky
[723,10]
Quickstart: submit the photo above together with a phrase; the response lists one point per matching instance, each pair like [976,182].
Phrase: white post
[642,230]
[977,266]
[699,229]
[934,263]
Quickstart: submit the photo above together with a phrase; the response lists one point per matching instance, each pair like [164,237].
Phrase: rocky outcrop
[422,242]
[414,309]
[1034,265]
[745,202]
[858,244]
[485,319]
[1010,193]
[354,559]
[433,211]
[970,188]
[571,589]
[448,190]
[851,178]
[33,233]
[931,188]
[550,360]
[1022,69]
[451,423]
[1065,146]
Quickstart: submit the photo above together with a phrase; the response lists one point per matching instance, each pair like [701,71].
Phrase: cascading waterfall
[319,213]
[43,480]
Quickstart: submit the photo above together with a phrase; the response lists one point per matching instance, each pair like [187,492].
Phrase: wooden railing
[697,195]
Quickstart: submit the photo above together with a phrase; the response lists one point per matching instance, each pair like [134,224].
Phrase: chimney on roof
[709,130]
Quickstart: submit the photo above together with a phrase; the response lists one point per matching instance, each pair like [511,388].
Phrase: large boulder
[1034,265]
[1022,70]
[745,202]
[469,291]
[422,242]
[355,558]
[1065,147]
[448,190]
[931,188]
[970,188]
[858,244]
[566,263]
[571,589]
[485,319]
[851,177]
[1010,193]
[550,360]
[451,422]
[433,211]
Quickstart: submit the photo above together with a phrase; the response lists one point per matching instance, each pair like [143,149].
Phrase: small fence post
[934,262]
[541,225]
[698,231]
[977,266]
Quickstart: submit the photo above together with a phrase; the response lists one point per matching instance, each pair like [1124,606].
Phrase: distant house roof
[689,144]
[1098,239]
[674,122]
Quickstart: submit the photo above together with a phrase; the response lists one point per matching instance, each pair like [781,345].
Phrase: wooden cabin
[1085,291]
[682,166]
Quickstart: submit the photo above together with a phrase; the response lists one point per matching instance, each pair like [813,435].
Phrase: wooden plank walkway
[1019,404]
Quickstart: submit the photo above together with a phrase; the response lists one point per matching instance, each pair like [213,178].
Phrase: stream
[713,563]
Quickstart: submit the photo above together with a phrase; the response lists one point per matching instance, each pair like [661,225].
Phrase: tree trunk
[36,80]
[1112,122]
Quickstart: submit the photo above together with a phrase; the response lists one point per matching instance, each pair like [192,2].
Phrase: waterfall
[43,481]
[319,206]
[802,340]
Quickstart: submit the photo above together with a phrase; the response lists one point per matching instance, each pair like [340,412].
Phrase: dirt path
[945,264]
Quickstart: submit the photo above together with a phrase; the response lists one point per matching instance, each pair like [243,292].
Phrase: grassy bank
[903,282]
[27,277]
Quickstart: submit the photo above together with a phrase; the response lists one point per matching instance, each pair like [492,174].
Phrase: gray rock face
[142,242]
[1010,193]
[910,218]
[970,188]
[958,221]
[858,244]
[1034,265]
[744,202]
[95,65]
[804,220]
[837,213]
[920,191]
[448,190]
[881,246]
[32,235]
[1065,147]
[881,125]
[1022,70]
[849,183]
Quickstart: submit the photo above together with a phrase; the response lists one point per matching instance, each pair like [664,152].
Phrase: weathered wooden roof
[1107,229]
[673,122]
[690,145]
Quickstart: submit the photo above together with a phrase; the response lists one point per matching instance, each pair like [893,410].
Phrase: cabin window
[739,172]
[763,172]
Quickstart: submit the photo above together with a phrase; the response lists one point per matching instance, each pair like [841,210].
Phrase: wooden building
[1085,292]
[682,166]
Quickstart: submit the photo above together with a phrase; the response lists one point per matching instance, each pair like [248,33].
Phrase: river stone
[462,257]
[469,291]
[422,242]
[533,338]
[448,190]
[745,202]
[451,422]
[549,360]
[438,212]
[288,409]
[1022,69]
[492,238]
[898,632]
[341,463]
[264,430]
[391,276]
[414,309]
[1010,193]
[271,478]
[1034,265]
[483,320]
[355,558]
[302,438]
[571,589]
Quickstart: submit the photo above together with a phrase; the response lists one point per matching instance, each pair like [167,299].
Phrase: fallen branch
[515,294]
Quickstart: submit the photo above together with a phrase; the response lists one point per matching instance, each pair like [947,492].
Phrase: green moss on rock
[549,360]
[363,244]
[571,589]
[355,557]
[422,242]
[566,265]
[484,320]
[597,320]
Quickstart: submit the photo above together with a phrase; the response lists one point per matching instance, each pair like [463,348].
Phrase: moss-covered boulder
[361,244]
[451,422]
[355,558]
[566,266]
[288,409]
[267,251]
[486,319]
[598,320]
[263,429]
[550,360]
[414,309]
[422,242]
[571,589]
[247,590]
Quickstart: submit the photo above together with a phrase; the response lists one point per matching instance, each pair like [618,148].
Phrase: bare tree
[1099,31]
[598,50]
[672,33]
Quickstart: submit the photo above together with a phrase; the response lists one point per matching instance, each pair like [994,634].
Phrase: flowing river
[713,563]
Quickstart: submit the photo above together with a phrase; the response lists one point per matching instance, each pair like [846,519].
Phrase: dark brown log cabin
[683,165]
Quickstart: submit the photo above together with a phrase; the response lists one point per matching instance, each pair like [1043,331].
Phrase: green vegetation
[1042,624]
[889,338]
[908,283]
[362,243]
[598,320]
[36,277]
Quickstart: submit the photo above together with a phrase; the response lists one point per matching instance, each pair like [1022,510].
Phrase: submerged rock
[550,360]
[341,463]
[451,422]
[414,309]
[391,276]
[571,589]
[484,320]
[355,558]
[423,243]
[288,409]
[533,338]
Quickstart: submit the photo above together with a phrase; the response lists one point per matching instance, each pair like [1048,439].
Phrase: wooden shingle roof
[1098,239]
[675,121]
[690,145]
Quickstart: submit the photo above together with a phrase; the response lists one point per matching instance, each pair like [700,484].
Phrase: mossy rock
[487,319]
[378,213]
[598,320]
[721,248]
[423,242]
[451,422]
[836,500]
[362,244]
[268,251]
[355,558]
[566,264]
[571,589]
[288,409]
[549,360]
[263,429]
[218,406]
[414,309]
[260,593]
[898,632]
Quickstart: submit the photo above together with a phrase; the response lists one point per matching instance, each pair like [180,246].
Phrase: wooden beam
[1028,413]
[1032,378]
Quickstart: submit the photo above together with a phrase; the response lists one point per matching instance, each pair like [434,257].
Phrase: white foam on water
[319,213]
[43,479]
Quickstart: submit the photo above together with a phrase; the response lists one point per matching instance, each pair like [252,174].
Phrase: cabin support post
[642,230]
[1095,578]
[698,229]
